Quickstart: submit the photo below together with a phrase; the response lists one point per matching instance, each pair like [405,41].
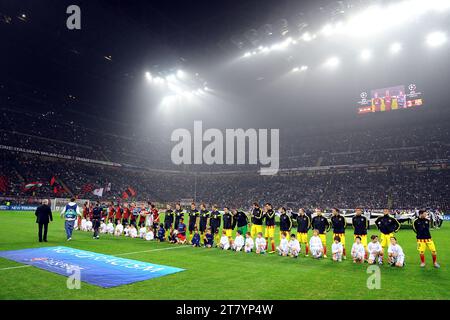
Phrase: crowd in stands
[397,185]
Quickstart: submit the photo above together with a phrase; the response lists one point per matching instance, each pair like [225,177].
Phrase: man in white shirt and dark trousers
[70,212]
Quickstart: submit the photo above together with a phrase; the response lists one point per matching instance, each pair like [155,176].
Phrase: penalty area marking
[121,254]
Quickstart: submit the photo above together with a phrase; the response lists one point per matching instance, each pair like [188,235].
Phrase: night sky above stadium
[100,69]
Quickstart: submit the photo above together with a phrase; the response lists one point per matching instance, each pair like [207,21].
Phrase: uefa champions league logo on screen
[363,97]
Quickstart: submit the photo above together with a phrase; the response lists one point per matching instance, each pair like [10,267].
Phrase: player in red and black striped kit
[126,214]
[119,214]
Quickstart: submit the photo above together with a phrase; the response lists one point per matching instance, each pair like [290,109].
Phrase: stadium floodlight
[148,76]
[159,80]
[436,39]
[328,30]
[332,62]
[180,74]
[366,54]
[307,37]
[296,69]
[247,54]
[303,68]
[396,47]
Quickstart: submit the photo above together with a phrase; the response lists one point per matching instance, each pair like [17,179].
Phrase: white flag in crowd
[98,192]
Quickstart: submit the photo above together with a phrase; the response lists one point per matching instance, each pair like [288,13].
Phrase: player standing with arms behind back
[193,214]
[321,224]
[214,222]
[421,227]
[360,225]
[269,215]
[338,223]
[387,226]
[257,220]
[303,225]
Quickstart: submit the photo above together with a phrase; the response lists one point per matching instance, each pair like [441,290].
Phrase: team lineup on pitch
[165,249]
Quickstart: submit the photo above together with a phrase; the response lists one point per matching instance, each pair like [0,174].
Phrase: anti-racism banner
[98,269]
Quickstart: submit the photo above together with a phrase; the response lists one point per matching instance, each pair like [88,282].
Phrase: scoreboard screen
[389,99]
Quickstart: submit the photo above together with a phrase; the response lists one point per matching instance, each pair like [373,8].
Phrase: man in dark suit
[43,217]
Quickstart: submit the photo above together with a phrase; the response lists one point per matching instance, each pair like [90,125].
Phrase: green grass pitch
[215,274]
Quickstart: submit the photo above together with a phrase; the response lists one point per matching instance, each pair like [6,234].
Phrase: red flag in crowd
[131,191]
[87,188]
[3,184]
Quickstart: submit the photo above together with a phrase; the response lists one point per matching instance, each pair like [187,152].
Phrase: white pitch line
[24,266]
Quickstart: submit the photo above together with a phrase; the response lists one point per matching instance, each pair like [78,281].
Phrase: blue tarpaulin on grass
[94,268]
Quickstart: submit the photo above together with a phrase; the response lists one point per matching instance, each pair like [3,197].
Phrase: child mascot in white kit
[249,243]
[315,245]
[238,242]
[294,246]
[283,247]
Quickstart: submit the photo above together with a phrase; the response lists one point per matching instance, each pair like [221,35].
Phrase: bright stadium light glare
[180,74]
[332,62]
[366,54]
[296,69]
[247,54]
[170,78]
[303,68]
[396,47]
[148,76]
[436,39]
[307,37]
[328,30]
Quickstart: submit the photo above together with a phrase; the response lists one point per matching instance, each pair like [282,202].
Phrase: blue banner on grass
[97,269]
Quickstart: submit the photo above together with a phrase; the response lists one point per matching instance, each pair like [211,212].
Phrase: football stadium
[225,150]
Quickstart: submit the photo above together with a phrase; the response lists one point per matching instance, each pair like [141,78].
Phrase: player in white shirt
[249,243]
[294,246]
[315,245]
[149,235]
[375,250]
[133,232]
[76,226]
[224,241]
[83,224]
[110,227]
[396,255]
[260,244]
[88,224]
[283,247]
[358,251]
[102,227]
[118,230]
[238,242]
[142,232]
[337,249]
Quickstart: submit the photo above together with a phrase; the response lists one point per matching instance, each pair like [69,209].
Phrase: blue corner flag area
[98,269]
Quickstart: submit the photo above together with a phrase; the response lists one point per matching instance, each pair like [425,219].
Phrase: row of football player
[386,224]
[372,252]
